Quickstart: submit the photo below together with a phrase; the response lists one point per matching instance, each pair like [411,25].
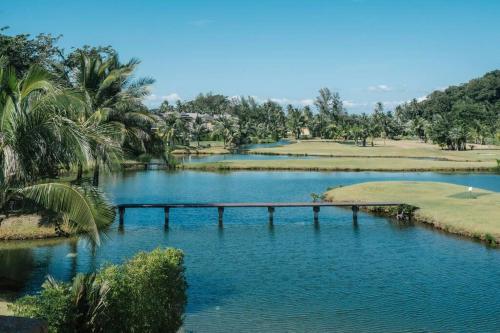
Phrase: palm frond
[87,209]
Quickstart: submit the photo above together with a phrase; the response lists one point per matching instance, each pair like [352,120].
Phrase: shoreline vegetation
[345,164]
[448,207]
[409,155]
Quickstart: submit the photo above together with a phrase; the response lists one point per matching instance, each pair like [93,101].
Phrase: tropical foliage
[38,138]
[146,294]
[457,115]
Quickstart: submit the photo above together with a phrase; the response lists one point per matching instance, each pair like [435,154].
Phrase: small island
[452,208]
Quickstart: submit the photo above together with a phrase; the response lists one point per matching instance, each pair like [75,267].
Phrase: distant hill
[469,112]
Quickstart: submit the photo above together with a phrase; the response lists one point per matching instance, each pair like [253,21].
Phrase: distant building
[304,131]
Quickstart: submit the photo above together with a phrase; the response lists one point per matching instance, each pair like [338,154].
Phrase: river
[378,276]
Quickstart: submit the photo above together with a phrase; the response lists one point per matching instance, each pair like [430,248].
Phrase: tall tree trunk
[79,173]
[95,179]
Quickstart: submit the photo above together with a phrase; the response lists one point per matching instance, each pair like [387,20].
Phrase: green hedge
[146,294]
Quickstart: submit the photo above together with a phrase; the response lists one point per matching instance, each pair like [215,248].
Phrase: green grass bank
[346,164]
[445,206]
[381,148]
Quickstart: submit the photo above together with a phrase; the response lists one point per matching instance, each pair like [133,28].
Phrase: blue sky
[367,50]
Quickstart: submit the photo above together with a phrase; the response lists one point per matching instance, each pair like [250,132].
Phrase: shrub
[170,159]
[490,240]
[146,294]
[51,305]
[146,158]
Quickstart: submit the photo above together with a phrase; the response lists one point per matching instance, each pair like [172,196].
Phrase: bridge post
[221,213]
[167,211]
[316,213]
[271,215]
[355,210]
[121,213]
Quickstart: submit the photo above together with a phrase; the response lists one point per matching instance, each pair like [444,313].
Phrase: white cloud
[306,102]
[422,98]
[352,104]
[154,100]
[380,88]
[171,98]
[390,104]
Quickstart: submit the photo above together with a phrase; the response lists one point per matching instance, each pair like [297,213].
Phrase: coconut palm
[113,102]
[172,130]
[199,129]
[37,137]
[227,128]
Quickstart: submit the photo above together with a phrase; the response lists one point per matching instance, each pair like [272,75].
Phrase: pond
[377,276]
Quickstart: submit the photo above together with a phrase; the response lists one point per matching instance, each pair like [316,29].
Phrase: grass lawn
[347,164]
[206,147]
[25,227]
[391,148]
[5,300]
[446,206]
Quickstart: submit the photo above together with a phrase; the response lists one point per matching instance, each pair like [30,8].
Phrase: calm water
[294,277]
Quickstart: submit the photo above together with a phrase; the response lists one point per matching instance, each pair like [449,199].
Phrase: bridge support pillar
[221,214]
[271,215]
[316,214]
[355,210]
[121,215]
[167,213]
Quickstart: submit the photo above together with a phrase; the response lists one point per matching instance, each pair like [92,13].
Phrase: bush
[146,294]
[146,158]
[52,305]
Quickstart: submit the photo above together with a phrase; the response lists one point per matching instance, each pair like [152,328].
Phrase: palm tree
[199,129]
[173,130]
[37,137]
[113,102]
[296,121]
[227,128]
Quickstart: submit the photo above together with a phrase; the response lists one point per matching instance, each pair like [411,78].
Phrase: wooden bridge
[271,206]
[144,165]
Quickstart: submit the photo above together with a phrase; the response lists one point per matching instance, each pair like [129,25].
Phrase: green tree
[295,120]
[37,137]
[113,102]
[199,129]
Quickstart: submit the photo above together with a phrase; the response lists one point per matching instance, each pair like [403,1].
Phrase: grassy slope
[346,164]
[446,206]
[391,148]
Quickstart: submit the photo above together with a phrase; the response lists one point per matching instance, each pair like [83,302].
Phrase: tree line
[469,113]
[457,115]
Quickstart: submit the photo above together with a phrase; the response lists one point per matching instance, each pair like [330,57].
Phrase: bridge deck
[258,204]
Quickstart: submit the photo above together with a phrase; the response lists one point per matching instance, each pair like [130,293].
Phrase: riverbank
[347,164]
[445,206]
[382,149]
[28,227]
[6,299]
